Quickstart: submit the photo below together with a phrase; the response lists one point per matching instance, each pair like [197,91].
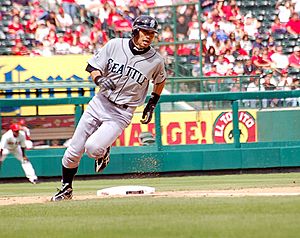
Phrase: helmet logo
[152,23]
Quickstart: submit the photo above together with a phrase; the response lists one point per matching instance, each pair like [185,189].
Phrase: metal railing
[232,97]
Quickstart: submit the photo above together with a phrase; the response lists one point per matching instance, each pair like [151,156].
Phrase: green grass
[139,217]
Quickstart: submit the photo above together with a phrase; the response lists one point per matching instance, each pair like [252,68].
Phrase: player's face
[145,38]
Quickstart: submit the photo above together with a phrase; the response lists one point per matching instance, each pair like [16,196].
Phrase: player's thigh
[18,154]
[87,125]
[105,135]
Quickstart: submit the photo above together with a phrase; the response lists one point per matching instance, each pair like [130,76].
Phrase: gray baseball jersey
[106,117]
[130,73]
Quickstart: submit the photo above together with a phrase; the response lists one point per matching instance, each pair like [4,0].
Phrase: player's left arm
[159,84]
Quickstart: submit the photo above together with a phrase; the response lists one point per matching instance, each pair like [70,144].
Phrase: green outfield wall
[127,160]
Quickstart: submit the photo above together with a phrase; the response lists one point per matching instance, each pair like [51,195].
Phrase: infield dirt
[275,191]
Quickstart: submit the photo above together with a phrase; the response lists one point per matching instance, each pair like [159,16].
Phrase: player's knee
[93,151]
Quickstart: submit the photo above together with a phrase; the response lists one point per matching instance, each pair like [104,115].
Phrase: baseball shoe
[34,181]
[64,193]
[101,163]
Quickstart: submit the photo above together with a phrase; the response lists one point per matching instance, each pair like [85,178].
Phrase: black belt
[123,106]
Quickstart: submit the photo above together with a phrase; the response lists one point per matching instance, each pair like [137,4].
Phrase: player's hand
[25,159]
[107,83]
[147,113]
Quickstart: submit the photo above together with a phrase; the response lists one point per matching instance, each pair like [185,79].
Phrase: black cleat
[101,163]
[65,193]
[34,181]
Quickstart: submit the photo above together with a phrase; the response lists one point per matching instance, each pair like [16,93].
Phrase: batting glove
[148,111]
[105,82]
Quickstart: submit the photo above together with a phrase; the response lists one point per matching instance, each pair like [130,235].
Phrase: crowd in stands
[233,42]
[236,43]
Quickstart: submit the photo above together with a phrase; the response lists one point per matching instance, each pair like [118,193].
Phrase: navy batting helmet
[144,22]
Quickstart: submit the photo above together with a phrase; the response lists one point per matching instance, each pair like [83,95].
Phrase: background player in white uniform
[123,69]
[28,142]
[13,141]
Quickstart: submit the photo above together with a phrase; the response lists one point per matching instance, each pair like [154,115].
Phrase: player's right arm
[99,79]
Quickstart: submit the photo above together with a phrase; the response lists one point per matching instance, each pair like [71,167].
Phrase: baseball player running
[13,141]
[122,69]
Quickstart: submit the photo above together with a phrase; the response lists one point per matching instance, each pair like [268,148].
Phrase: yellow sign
[204,127]
[43,69]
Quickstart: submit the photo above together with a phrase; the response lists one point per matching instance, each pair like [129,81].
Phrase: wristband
[154,98]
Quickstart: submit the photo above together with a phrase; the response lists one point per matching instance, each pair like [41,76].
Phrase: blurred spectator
[134,8]
[97,36]
[296,4]
[228,56]
[232,83]
[64,20]
[41,49]
[219,8]
[20,3]
[268,76]
[70,8]
[269,86]
[207,5]
[222,65]
[239,53]
[20,6]
[227,26]
[20,49]
[279,60]
[193,32]
[294,58]
[221,34]
[246,44]
[277,27]
[61,47]
[50,19]
[212,41]
[231,11]
[258,42]
[212,84]
[210,56]
[238,67]
[82,7]
[285,84]
[68,36]
[260,58]
[285,10]
[209,25]
[183,50]
[167,33]
[249,67]
[37,10]
[15,28]
[2,35]
[293,25]
[284,80]
[80,44]
[182,27]
[51,37]
[42,31]
[193,57]
[31,25]
[253,86]
[251,25]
